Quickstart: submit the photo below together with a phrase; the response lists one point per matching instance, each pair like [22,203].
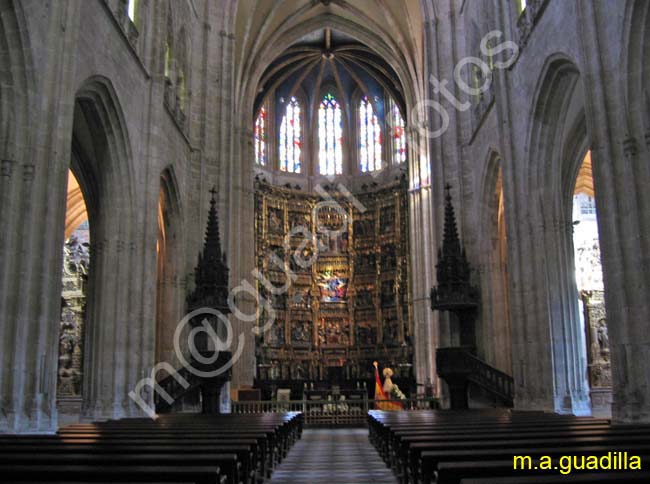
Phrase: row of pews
[198,449]
[478,447]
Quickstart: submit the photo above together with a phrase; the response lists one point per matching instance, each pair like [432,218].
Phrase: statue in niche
[275,258]
[390,332]
[333,243]
[301,332]
[274,371]
[69,376]
[344,242]
[276,334]
[323,241]
[275,221]
[76,255]
[301,299]
[336,332]
[387,294]
[365,264]
[299,372]
[387,220]
[364,228]
[297,219]
[602,336]
[366,335]
[388,259]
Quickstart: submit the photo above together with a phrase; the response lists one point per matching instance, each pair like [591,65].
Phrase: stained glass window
[330,136]
[399,135]
[291,138]
[260,138]
[369,137]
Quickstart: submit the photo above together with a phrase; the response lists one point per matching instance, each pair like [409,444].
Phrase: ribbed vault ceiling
[328,57]
[278,37]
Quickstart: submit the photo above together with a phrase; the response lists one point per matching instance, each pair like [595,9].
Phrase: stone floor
[333,456]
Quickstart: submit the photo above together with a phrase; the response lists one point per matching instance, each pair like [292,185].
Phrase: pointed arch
[330,135]
[102,163]
[183,62]
[635,57]
[169,273]
[495,312]
[291,136]
[370,137]
[261,136]
[557,118]
[289,34]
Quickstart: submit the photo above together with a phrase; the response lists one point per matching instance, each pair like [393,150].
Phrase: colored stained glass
[260,138]
[369,137]
[291,138]
[330,136]
[399,136]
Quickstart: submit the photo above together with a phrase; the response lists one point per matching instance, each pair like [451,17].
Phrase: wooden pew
[217,449]
[622,477]
[423,444]
[112,473]
[454,472]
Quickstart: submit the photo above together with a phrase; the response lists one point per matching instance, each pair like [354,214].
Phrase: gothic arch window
[291,137]
[398,133]
[168,59]
[260,138]
[370,139]
[182,69]
[330,136]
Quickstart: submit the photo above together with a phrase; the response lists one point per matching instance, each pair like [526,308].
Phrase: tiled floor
[333,456]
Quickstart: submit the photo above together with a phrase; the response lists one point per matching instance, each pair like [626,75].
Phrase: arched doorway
[494,330]
[114,350]
[589,283]
[76,267]
[549,353]
[169,302]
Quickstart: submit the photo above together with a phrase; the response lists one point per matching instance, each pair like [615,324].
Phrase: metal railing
[330,412]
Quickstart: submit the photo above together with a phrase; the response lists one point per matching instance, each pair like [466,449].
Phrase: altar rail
[329,412]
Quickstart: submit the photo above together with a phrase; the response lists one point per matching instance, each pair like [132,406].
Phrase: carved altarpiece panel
[598,351]
[347,301]
[76,260]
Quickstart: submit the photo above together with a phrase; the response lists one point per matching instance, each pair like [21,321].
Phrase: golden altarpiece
[350,304]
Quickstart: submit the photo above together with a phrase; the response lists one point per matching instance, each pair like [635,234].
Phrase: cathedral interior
[456,189]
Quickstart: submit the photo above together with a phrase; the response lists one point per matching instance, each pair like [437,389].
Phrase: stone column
[34,176]
[620,178]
